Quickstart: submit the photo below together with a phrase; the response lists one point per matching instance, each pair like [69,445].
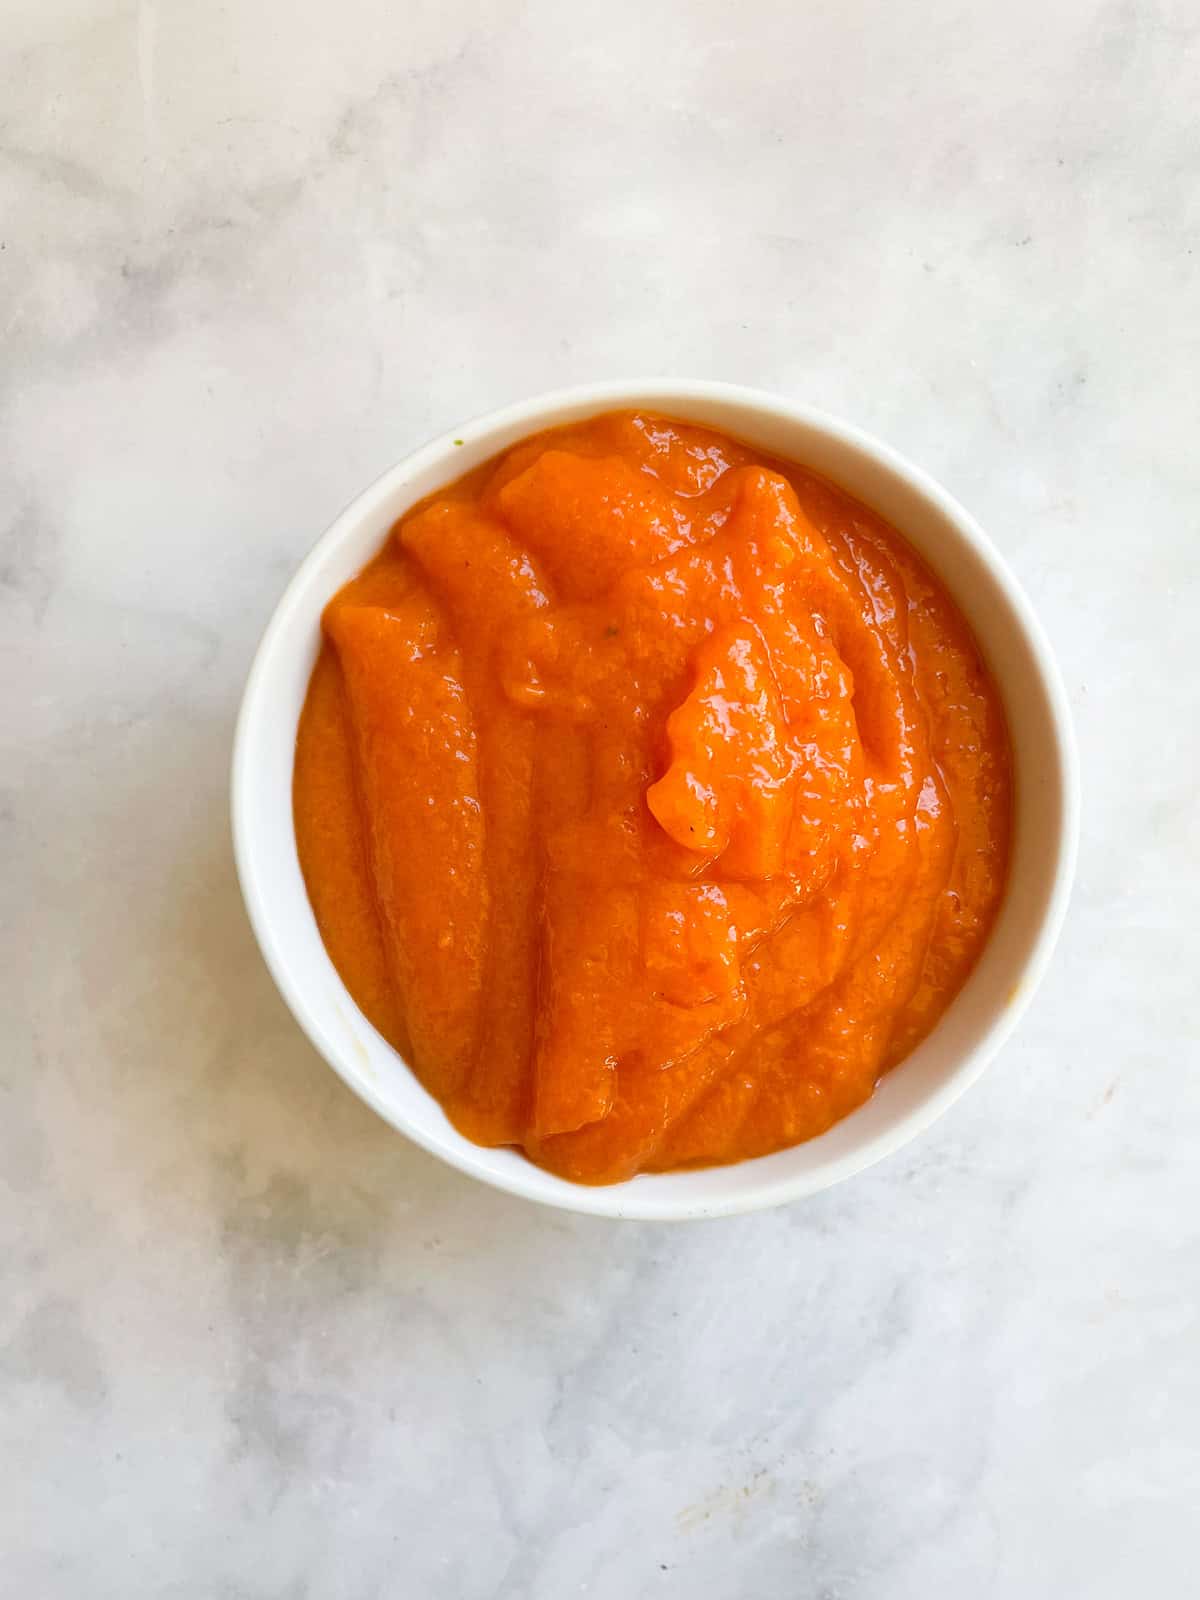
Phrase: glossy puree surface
[652,798]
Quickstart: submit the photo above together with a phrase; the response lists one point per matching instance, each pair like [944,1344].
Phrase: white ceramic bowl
[1044,840]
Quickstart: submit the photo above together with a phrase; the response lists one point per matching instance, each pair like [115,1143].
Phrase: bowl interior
[1043,841]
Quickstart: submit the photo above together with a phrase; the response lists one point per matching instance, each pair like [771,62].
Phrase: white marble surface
[252,1345]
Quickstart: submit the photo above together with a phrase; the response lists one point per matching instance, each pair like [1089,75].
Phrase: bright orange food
[652,798]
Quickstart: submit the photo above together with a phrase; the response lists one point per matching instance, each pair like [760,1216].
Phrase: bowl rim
[633,1198]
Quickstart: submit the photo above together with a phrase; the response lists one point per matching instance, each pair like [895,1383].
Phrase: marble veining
[253,1345]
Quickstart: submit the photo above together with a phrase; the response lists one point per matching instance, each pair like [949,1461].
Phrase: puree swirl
[652,798]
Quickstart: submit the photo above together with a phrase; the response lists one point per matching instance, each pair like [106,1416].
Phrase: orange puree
[652,798]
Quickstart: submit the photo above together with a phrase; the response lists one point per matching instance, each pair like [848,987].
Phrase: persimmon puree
[652,798]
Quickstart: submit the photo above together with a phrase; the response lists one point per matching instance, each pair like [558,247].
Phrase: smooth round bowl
[1044,839]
